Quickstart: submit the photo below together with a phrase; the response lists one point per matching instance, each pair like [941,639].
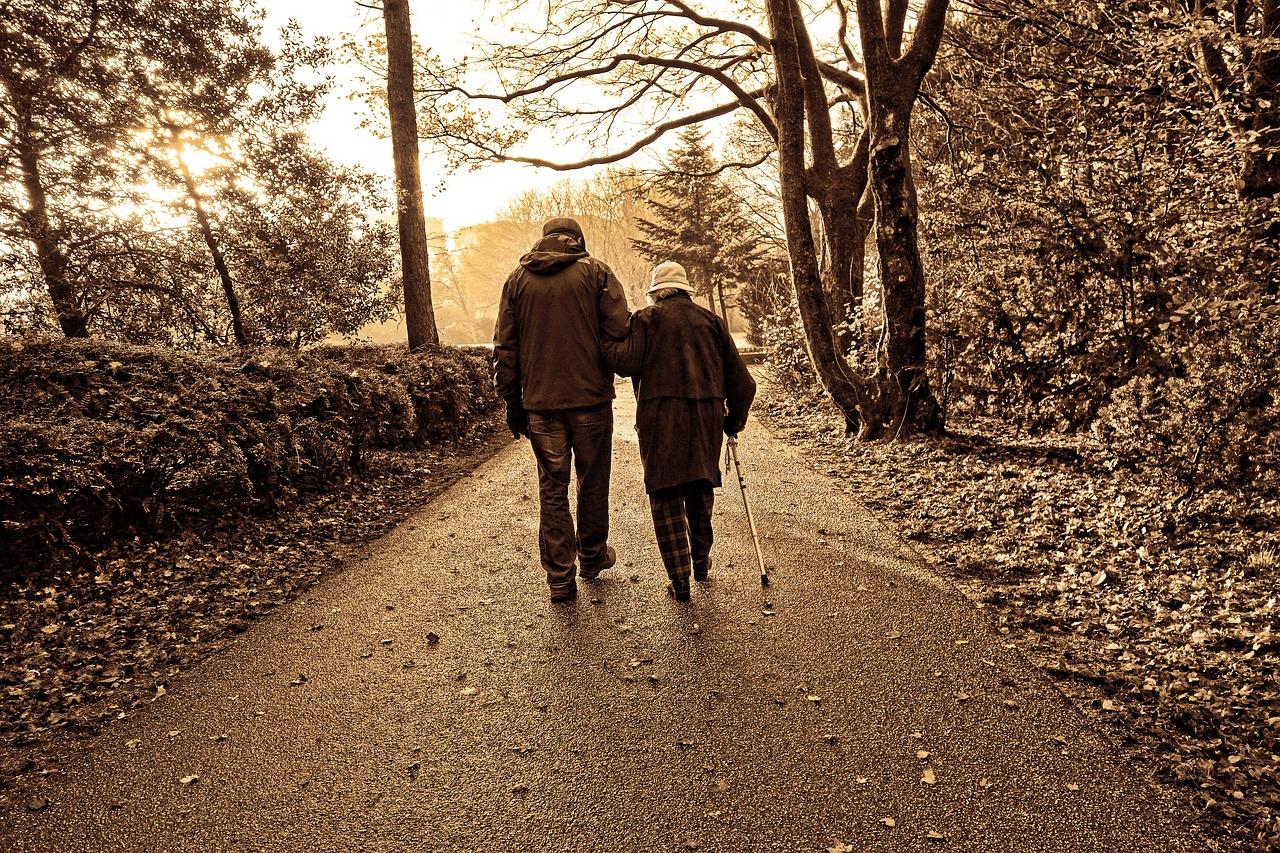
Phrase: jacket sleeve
[506,348]
[625,357]
[613,306]
[739,387]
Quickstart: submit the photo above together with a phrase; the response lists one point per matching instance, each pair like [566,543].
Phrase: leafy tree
[699,222]
[660,58]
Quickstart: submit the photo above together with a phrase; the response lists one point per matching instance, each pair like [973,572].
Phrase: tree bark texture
[420,317]
[1262,165]
[54,266]
[789,111]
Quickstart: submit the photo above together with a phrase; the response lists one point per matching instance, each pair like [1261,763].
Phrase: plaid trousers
[682,522]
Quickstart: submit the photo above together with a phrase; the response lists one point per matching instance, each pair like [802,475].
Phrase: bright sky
[459,199]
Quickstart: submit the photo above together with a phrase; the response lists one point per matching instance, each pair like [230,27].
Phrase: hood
[553,253]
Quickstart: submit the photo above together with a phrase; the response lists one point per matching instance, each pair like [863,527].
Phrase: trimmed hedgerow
[99,439]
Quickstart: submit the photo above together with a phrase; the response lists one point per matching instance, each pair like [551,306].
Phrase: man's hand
[517,420]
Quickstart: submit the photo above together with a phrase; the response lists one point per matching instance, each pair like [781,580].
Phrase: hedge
[102,439]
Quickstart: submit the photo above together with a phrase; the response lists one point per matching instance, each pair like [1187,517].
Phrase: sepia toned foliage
[693,216]
[172,197]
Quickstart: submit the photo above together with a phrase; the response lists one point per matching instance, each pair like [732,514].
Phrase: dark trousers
[581,440]
[682,522]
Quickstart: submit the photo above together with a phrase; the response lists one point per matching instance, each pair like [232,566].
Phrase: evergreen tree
[699,222]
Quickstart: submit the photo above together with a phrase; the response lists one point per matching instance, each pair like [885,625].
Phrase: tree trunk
[845,231]
[827,362]
[420,317]
[893,82]
[903,354]
[52,259]
[1261,175]
[215,250]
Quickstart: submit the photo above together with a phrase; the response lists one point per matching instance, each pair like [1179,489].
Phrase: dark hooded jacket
[556,308]
[691,385]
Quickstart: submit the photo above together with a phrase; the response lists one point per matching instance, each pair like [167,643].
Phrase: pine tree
[699,222]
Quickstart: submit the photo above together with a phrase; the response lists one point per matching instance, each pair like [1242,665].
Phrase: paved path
[632,724]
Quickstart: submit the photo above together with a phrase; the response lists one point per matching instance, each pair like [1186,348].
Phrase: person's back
[685,345]
[691,387]
[556,307]
[554,300]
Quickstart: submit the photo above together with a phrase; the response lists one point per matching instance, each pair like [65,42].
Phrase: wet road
[858,704]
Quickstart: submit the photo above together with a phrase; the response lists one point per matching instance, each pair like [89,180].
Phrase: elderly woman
[691,388]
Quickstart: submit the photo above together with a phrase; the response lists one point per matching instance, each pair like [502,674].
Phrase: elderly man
[556,307]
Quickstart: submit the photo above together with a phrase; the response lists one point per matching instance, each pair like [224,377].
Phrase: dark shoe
[701,570]
[679,589]
[590,572]
[565,593]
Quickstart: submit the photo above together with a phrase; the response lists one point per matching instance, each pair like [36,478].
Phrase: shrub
[1215,422]
[101,439]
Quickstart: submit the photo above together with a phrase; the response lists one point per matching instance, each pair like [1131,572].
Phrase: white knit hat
[669,274]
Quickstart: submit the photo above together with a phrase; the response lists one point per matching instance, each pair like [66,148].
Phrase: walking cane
[751,522]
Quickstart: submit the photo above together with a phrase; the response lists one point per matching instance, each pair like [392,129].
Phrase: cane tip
[764,580]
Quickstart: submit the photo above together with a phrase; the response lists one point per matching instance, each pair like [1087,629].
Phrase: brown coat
[691,386]
[556,307]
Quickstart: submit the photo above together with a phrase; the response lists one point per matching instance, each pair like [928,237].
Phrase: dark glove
[517,420]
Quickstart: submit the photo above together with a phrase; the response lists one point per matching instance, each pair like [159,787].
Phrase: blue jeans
[581,440]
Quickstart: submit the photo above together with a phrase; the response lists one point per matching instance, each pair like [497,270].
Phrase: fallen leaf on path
[922,754]
[520,789]
[432,638]
[917,735]
[962,697]
[468,691]
[1108,705]
[301,679]
[888,821]
[524,748]
[934,835]
[929,777]
[894,635]
[412,770]
[720,786]
[37,804]
[685,744]
[1072,786]
[815,699]
[189,780]
[830,738]
[985,784]
[839,846]
[862,780]
[160,691]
